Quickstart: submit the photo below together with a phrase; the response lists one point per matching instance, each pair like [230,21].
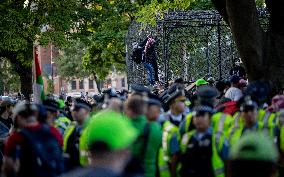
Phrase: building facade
[76,86]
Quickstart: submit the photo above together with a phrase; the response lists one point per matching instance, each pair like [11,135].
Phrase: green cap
[254,146]
[111,128]
[201,82]
[61,103]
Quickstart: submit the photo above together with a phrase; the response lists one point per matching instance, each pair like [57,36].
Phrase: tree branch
[220,5]
[248,35]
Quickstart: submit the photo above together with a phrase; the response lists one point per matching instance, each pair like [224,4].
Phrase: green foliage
[9,79]
[70,62]
[50,86]
[108,28]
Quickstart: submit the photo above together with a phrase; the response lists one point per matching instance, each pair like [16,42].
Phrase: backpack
[46,152]
[137,54]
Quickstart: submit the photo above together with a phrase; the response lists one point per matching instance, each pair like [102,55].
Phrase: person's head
[201,82]
[81,110]
[52,110]
[253,155]
[115,104]
[154,109]
[201,117]
[207,95]
[248,108]
[24,114]
[174,99]
[135,106]
[238,62]
[6,108]
[109,136]
[235,81]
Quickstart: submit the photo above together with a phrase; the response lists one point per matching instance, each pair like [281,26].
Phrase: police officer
[221,122]
[202,151]
[73,132]
[174,99]
[62,122]
[248,121]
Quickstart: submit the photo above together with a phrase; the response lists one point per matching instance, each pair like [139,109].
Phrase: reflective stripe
[236,123]
[265,119]
[220,129]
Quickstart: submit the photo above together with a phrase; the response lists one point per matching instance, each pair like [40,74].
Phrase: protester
[234,93]
[34,150]
[6,125]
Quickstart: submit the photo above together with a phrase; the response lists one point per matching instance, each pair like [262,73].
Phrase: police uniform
[170,128]
[203,154]
[72,136]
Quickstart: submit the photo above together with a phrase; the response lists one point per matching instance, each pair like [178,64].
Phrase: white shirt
[234,94]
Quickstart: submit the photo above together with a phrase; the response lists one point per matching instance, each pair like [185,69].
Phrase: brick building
[76,86]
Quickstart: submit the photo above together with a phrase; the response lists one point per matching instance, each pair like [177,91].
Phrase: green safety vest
[67,133]
[164,158]
[62,122]
[221,123]
[236,133]
[268,119]
[83,148]
[217,143]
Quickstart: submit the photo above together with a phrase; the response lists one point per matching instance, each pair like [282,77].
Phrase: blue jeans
[150,73]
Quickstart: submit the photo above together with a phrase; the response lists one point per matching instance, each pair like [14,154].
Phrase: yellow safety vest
[217,143]
[164,158]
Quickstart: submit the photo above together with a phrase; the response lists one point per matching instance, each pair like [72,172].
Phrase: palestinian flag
[38,84]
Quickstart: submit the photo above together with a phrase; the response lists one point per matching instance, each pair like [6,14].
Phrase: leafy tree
[9,80]
[261,51]
[22,23]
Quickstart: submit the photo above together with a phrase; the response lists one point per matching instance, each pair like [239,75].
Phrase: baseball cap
[254,146]
[111,128]
[201,82]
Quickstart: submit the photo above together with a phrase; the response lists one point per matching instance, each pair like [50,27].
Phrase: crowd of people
[210,129]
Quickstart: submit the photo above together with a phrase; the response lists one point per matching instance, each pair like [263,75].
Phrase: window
[73,85]
[123,82]
[91,84]
[81,84]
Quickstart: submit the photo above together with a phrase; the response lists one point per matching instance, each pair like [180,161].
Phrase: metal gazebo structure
[191,45]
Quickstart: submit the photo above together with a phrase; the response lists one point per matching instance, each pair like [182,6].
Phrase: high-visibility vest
[221,123]
[83,148]
[62,122]
[68,132]
[268,119]
[236,132]
[217,144]
[164,158]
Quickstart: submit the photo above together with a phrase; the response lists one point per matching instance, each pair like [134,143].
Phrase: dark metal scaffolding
[191,45]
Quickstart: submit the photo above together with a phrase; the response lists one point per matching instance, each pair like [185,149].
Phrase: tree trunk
[262,52]
[26,81]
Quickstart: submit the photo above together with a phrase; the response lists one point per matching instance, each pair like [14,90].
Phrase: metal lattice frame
[191,45]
